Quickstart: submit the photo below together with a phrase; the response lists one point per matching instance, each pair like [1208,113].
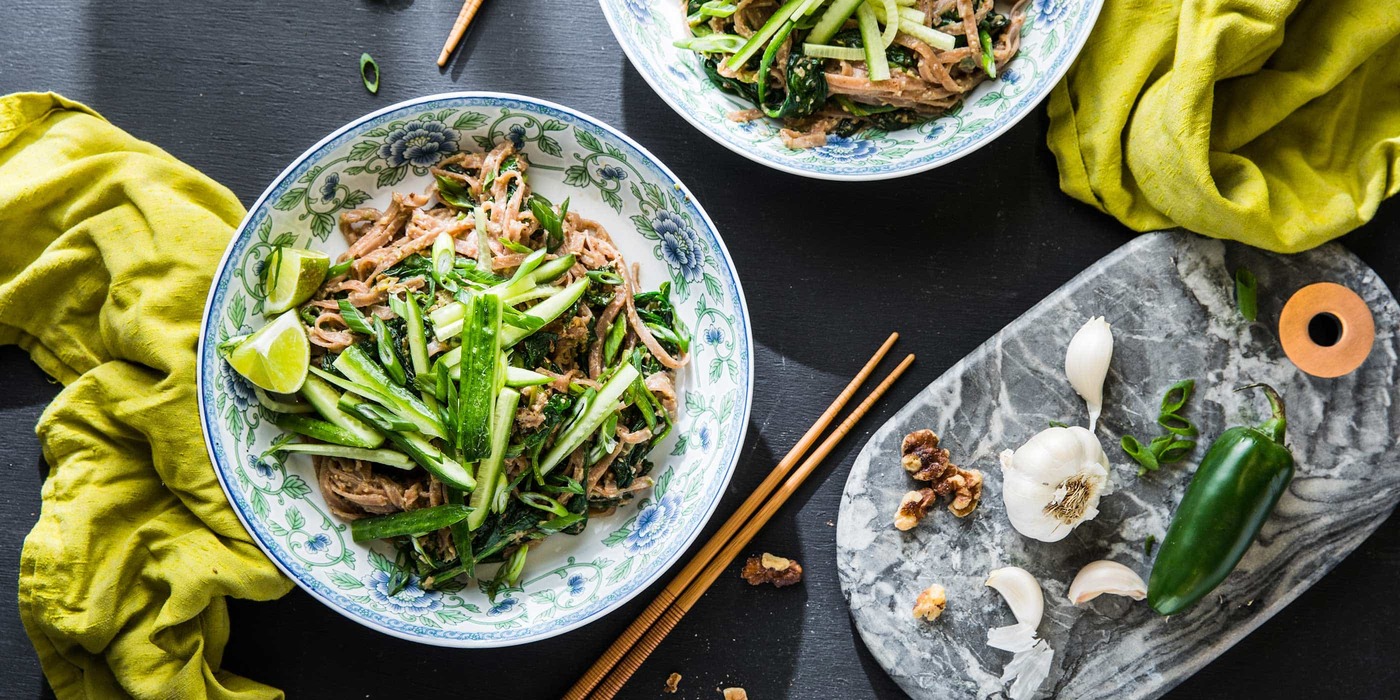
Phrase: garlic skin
[1086,364]
[1053,483]
[1103,576]
[1033,657]
[1022,592]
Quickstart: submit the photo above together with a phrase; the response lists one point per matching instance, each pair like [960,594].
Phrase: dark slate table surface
[240,88]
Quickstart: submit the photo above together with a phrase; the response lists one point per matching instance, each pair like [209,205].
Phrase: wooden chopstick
[663,626]
[459,28]
[697,563]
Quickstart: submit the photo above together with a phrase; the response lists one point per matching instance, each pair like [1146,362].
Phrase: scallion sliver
[603,405]
[412,522]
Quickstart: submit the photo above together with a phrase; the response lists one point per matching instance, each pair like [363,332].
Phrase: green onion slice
[1176,397]
[369,72]
[1247,294]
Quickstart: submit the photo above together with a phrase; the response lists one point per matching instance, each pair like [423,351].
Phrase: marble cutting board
[1169,297]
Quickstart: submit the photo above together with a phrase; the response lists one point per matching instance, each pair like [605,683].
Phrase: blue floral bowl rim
[208,329]
[1029,103]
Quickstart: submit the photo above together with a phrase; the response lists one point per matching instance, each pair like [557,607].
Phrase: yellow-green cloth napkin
[1272,122]
[107,245]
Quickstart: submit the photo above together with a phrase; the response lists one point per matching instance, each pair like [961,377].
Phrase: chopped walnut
[967,492]
[926,461]
[735,694]
[913,507]
[930,603]
[771,569]
[923,458]
[673,682]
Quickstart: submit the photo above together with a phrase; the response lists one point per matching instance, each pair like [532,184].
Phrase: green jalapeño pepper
[1233,492]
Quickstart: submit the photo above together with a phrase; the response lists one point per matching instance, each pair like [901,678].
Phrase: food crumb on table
[673,682]
[735,694]
[768,568]
[931,603]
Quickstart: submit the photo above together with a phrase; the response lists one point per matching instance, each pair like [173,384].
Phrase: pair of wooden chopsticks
[610,672]
[459,28]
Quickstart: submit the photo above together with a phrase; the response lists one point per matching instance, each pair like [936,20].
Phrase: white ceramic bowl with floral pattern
[568,580]
[1054,32]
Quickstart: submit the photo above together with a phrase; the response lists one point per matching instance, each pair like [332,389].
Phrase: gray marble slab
[1169,297]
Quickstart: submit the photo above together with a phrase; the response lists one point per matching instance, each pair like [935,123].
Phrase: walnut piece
[771,569]
[923,458]
[930,603]
[913,507]
[926,461]
[673,682]
[735,694]
[967,492]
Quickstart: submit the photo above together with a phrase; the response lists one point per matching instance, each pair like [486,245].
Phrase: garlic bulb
[1022,593]
[1053,483]
[1086,364]
[1105,576]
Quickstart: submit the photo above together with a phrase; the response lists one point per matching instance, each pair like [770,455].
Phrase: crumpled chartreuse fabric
[1272,122]
[107,246]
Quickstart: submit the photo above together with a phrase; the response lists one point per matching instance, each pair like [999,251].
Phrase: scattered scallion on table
[369,73]
[1176,445]
[1247,294]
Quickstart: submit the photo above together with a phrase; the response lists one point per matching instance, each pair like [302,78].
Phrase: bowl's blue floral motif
[412,599]
[845,148]
[653,523]
[516,134]
[421,143]
[576,584]
[654,222]
[1050,11]
[502,606]
[680,247]
[329,187]
[240,393]
[1051,37]
[639,8]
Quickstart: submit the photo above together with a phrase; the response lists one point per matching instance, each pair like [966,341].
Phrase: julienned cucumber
[545,311]
[489,471]
[357,366]
[481,353]
[602,406]
[412,522]
[418,448]
[324,398]
[385,457]
[324,431]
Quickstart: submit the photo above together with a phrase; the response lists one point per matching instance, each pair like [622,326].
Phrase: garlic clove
[1086,364]
[1100,577]
[1022,592]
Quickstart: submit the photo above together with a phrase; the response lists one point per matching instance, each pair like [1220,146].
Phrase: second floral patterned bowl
[568,580]
[1053,34]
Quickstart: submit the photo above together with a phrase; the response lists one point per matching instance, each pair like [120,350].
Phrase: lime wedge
[293,275]
[275,357]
